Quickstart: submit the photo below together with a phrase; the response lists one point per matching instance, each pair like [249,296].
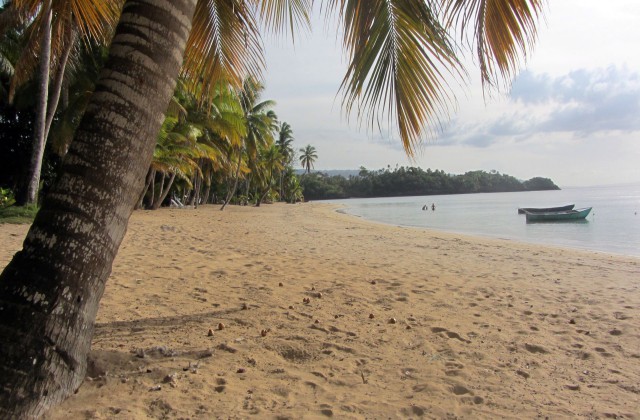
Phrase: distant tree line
[409,181]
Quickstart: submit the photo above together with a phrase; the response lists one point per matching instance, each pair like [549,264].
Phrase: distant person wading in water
[433,206]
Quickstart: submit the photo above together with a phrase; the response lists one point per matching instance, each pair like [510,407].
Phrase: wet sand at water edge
[298,311]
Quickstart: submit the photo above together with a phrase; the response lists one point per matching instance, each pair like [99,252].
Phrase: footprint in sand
[453,368]
[460,389]
[414,410]
[449,334]
[533,348]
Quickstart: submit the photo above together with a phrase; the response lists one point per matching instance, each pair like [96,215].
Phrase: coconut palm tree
[260,126]
[271,162]
[294,189]
[284,142]
[49,292]
[198,135]
[285,139]
[308,157]
[52,29]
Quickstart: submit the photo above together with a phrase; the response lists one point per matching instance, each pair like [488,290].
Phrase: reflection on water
[559,221]
[613,225]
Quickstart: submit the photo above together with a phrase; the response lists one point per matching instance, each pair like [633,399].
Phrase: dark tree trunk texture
[50,291]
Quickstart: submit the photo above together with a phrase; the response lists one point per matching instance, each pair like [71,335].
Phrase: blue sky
[572,114]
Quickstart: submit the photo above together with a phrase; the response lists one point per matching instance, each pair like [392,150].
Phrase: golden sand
[203,317]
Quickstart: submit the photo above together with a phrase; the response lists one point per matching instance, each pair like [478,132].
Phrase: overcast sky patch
[582,103]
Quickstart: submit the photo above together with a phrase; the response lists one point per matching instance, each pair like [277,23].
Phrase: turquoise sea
[613,225]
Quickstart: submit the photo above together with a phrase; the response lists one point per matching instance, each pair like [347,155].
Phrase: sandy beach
[298,311]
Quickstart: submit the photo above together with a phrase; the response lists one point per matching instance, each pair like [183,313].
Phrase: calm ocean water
[613,225]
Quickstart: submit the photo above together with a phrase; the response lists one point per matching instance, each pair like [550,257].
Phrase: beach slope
[298,311]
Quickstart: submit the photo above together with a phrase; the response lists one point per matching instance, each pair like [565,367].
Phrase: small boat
[558,216]
[524,210]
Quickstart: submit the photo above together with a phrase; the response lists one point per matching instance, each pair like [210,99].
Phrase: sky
[572,114]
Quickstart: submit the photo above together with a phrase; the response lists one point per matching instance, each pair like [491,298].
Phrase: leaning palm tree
[308,157]
[399,52]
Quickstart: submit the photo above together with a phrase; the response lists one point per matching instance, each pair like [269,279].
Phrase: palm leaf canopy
[225,41]
[502,31]
[92,20]
[401,56]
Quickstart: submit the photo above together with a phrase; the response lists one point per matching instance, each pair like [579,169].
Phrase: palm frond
[400,57]
[503,30]
[93,20]
[280,15]
[5,65]
[224,44]
[10,18]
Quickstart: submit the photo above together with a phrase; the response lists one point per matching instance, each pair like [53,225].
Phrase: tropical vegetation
[400,55]
[203,152]
[410,181]
[308,156]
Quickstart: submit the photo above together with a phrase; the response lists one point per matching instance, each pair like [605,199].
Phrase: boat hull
[524,210]
[558,216]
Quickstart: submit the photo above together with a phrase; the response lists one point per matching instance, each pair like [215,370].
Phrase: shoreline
[461,326]
[481,236]
[491,236]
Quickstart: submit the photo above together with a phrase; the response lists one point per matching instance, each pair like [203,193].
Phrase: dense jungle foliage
[410,181]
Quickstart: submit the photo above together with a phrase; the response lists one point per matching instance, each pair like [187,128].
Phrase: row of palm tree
[232,145]
[50,51]
[204,148]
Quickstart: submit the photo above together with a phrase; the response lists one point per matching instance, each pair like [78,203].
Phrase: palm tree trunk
[156,203]
[50,291]
[235,183]
[152,199]
[207,187]
[150,175]
[57,86]
[163,193]
[37,153]
[197,187]
[263,195]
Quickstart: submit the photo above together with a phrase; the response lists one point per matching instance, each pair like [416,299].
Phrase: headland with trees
[412,181]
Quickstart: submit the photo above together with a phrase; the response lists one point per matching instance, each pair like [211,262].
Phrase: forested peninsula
[411,181]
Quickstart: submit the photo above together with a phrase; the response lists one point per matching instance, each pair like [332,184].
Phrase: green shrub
[6,198]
